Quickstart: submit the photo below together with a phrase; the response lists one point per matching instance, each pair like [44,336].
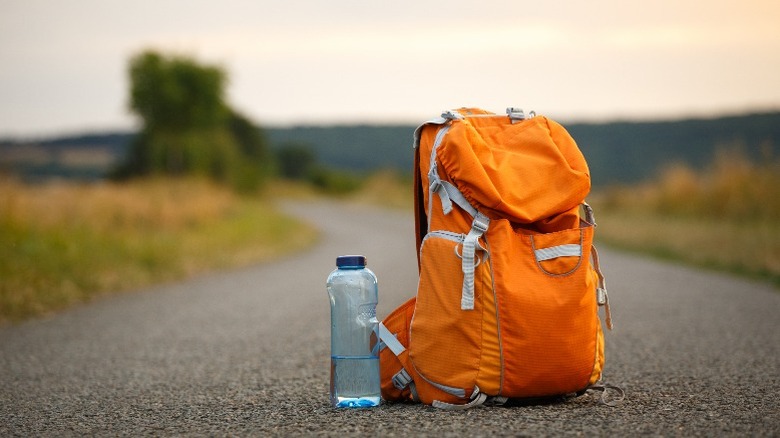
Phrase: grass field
[62,244]
[726,217]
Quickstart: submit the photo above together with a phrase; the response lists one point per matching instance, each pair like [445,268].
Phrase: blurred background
[149,141]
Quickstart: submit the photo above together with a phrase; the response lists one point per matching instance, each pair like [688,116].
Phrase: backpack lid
[524,172]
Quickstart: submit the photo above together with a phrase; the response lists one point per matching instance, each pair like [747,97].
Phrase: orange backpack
[509,289]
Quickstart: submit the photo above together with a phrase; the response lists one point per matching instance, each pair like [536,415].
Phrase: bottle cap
[350,260]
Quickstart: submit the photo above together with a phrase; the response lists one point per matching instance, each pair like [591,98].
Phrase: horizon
[87,132]
[289,64]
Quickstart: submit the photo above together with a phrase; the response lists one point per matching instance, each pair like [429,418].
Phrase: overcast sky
[63,63]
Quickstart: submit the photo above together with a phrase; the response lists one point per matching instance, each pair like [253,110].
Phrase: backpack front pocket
[445,340]
[547,310]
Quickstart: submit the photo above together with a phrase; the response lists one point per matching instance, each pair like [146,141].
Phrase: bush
[731,187]
[333,182]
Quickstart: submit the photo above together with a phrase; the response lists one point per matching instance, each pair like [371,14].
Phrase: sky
[63,64]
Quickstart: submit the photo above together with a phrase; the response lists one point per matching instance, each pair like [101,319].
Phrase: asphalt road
[246,353]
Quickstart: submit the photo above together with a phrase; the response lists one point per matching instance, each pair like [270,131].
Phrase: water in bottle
[354,340]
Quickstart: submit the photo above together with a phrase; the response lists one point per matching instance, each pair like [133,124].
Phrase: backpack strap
[402,379]
[448,194]
[478,398]
[602,298]
[478,227]
[390,340]
[448,191]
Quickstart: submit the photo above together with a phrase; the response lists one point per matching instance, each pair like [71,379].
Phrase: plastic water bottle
[354,336]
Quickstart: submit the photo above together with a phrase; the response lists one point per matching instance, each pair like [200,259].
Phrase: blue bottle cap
[350,260]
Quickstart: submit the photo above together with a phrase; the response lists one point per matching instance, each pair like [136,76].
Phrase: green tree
[253,145]
[176,92]
[188,127]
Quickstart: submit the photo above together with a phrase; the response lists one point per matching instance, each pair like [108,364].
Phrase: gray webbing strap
[434,182]
[478,227]
[457,197]
[553,252]
[448,194]
[413,391]
[390,340]
[401,380]
[418,131]
[477,401]
[478,398]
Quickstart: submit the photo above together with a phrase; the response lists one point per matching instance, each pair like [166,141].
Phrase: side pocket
[445,340]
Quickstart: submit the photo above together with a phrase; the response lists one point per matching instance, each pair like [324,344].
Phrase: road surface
[246,353]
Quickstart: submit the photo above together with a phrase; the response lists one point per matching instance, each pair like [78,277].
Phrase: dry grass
[732,188]
[62,244]
[726,217]
[386,189]
[146,205]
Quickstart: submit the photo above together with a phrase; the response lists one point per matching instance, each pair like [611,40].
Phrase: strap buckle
[401,379]
[517,114]
[452,115]
[480,225]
